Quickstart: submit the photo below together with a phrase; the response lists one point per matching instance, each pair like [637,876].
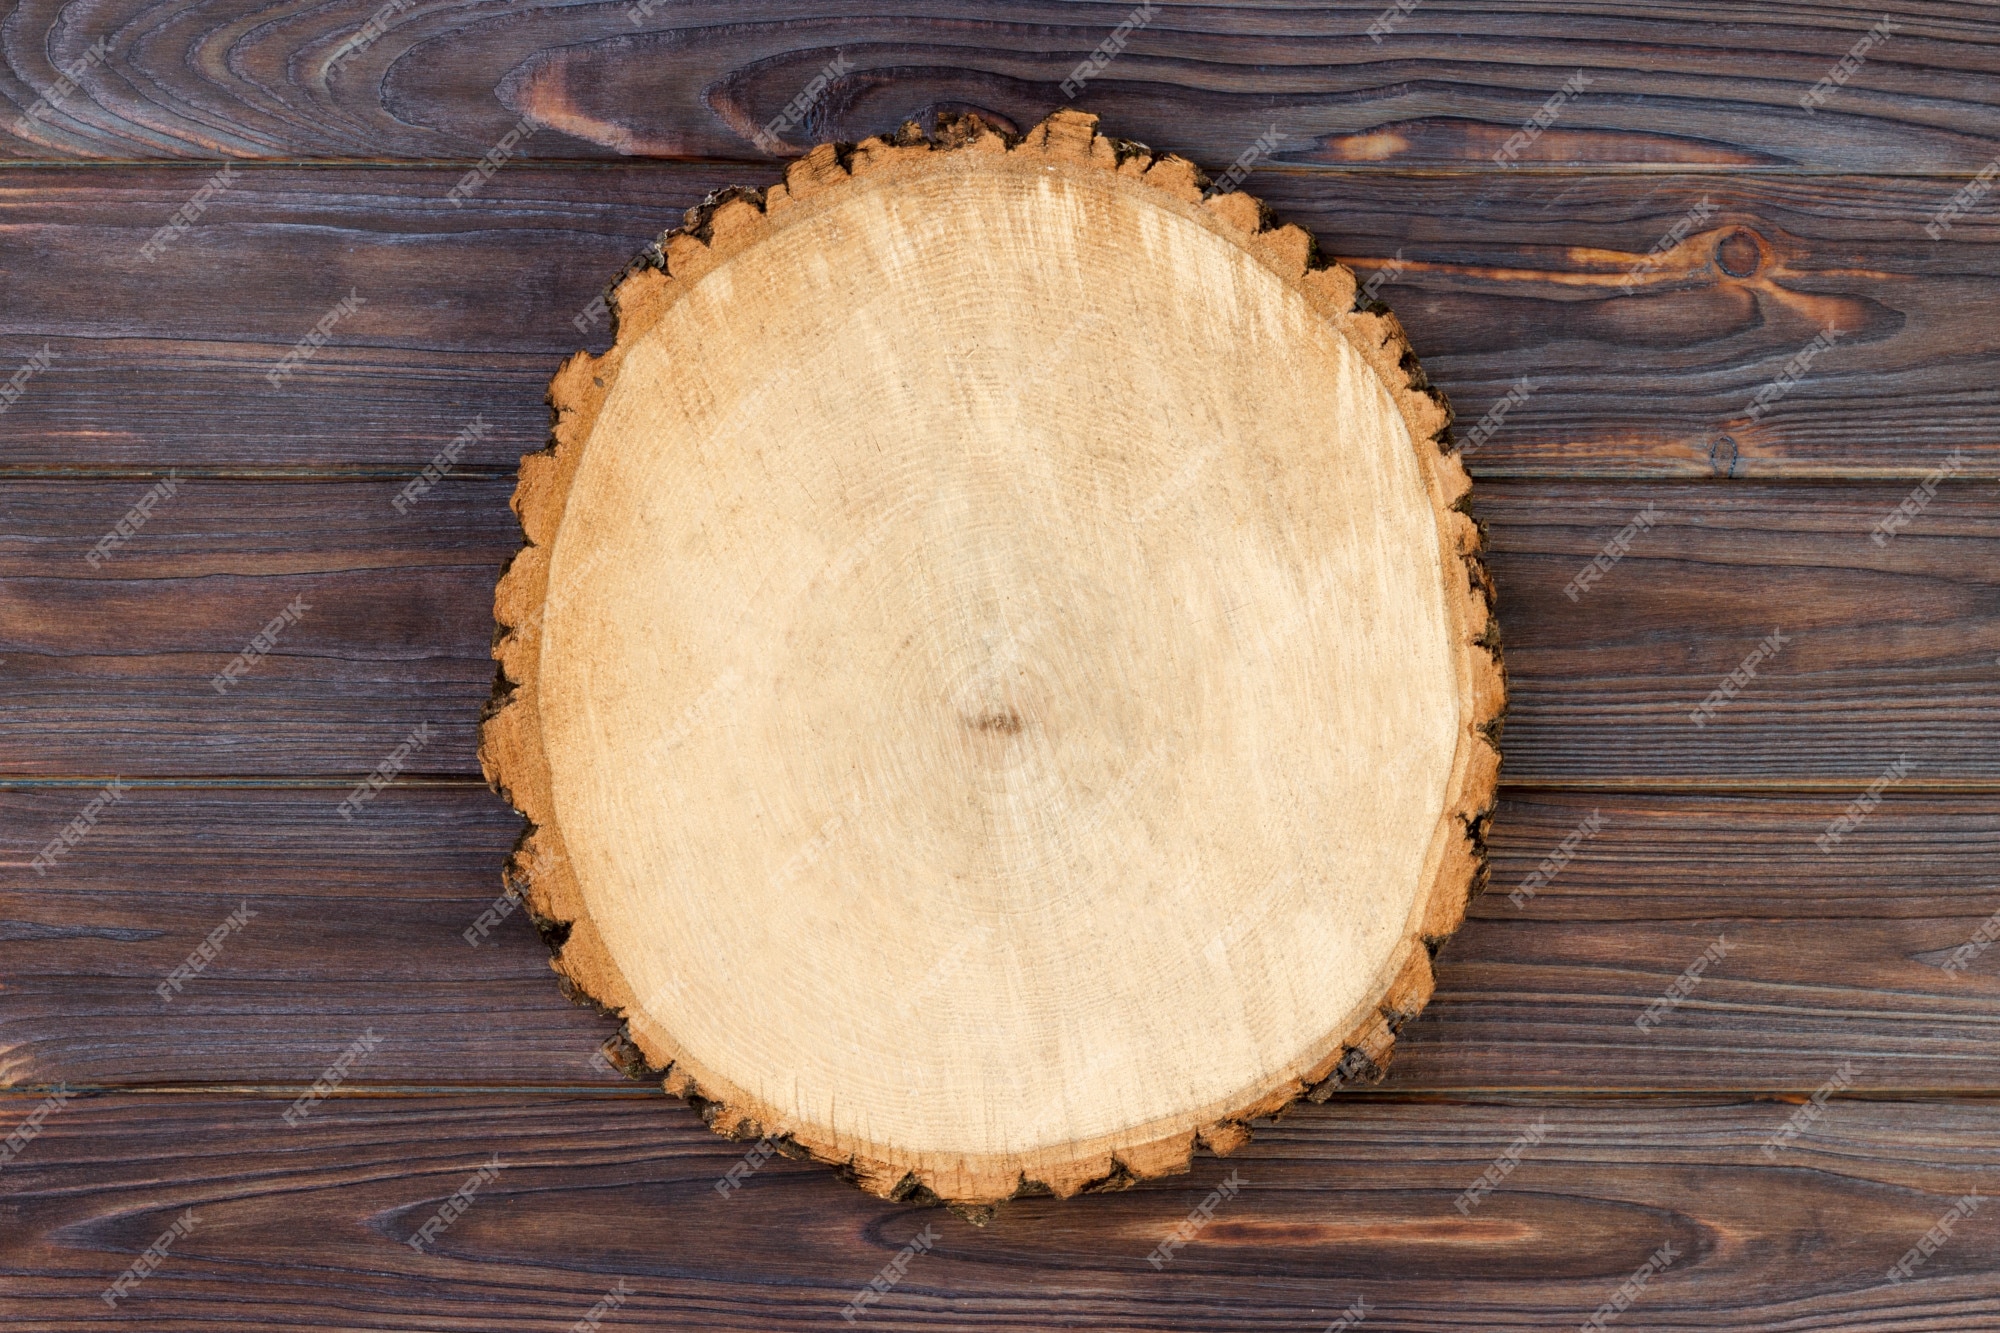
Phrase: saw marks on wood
[1004,700]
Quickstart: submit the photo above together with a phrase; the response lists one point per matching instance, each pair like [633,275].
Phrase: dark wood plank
[1818,958]
[1889,650]
[160,364]
[397,619]
[305,1227]
[361,927]
[1711,83]
[466,312]
[357,926]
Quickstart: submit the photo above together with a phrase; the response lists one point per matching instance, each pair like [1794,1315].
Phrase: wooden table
[1658,1148]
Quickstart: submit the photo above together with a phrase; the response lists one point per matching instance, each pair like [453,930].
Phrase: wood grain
[943,612]
[394,633]
[1890,650]
[1384,149]
[1715,83]
[1354,1200]
[362,926]
[160,364]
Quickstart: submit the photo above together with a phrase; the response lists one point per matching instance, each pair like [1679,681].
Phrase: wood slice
[1000,675]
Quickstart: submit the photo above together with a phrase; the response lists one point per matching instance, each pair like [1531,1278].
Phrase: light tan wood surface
[999,676]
